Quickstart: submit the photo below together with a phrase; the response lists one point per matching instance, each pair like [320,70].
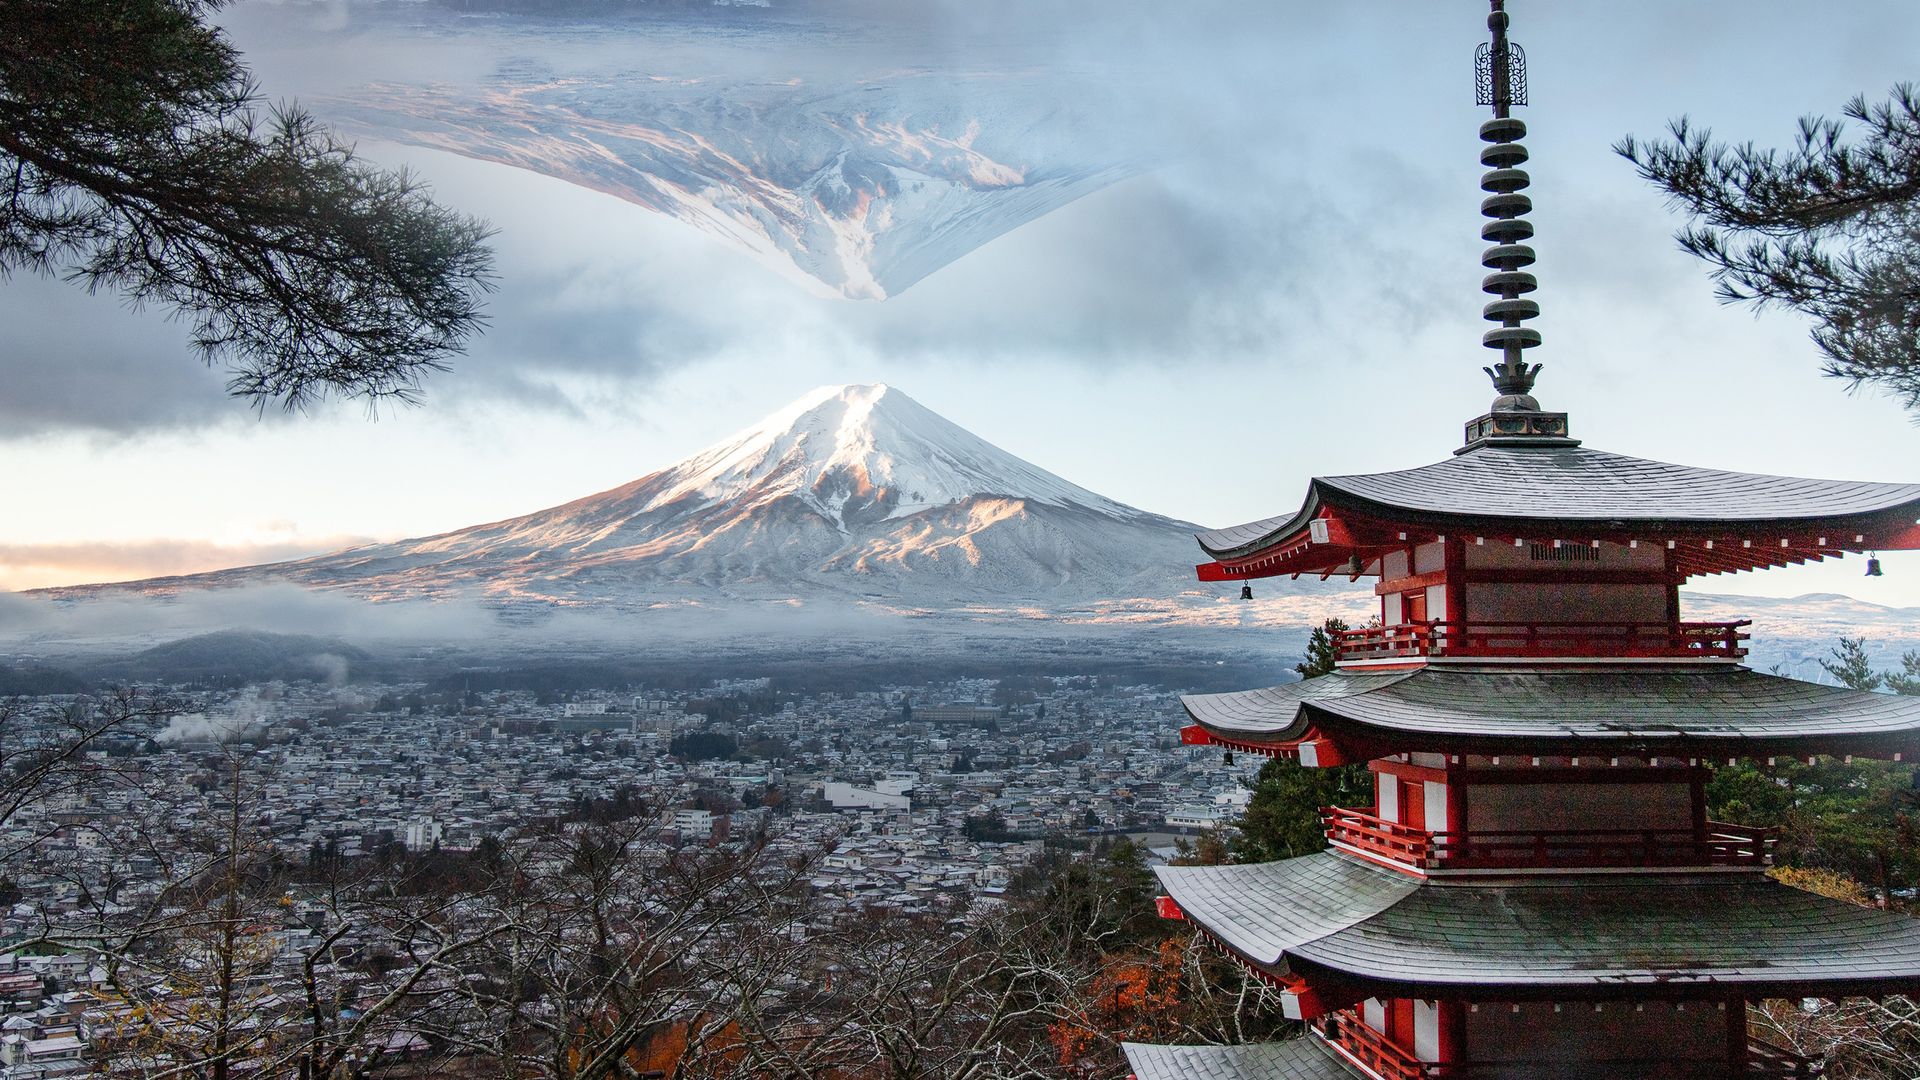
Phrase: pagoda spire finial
[1500,71]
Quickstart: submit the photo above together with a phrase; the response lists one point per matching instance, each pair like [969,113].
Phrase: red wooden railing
[1374,1051]
[1377,836]
[1721,844]
[1638,640]
[1386,1059]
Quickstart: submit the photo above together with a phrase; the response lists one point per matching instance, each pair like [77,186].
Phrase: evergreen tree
[1859,819]
[1282,820]
[1210,848]
[1849,664]
[1906,681]
[1322,655]
[1826,228]
[136,157]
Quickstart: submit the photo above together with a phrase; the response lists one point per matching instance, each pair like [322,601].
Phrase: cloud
[74,361]
[1189,266]
[126,618]
[36,566]
[1274,228]
[60,625]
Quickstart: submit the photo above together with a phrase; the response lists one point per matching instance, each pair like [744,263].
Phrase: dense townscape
[907,801]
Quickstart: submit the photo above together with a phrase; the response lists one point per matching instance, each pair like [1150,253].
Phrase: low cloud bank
[49,565]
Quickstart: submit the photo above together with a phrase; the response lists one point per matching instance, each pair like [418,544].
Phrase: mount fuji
[851,499]
[850,495]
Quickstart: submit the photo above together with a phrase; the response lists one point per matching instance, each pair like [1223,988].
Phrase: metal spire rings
[1500,80]
[1507,232]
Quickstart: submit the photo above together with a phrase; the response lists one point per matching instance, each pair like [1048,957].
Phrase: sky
[1284,284]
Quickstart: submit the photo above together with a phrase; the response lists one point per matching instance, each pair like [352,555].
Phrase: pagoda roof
[1577,488]
[1287,1059]
[1262,911]
[1706,711]
[1590,936]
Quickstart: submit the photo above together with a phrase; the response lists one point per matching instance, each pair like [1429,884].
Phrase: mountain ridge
[853,492]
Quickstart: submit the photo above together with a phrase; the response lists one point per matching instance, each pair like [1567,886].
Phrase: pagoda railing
[1374,1052]
[1386,1059]
[1635,640]
[1377,836]
[1720,844]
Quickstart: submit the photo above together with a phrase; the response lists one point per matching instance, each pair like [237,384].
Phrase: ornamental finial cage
[1506,58]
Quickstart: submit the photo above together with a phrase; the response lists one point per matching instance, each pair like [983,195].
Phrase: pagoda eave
[1376,932]
[1650,986]
[1305,1058]
[1717,521]
[1698,548]
[1605,712]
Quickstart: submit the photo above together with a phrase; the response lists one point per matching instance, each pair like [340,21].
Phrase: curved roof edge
[1703,711]
[1575,487]
[1285,1059]
[1337,921]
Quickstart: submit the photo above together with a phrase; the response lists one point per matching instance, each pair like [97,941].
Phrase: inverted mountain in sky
[855,190]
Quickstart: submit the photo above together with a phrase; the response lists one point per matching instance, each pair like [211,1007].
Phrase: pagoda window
[1571,601]
[1411,790]
[1542,582]
[1413,606]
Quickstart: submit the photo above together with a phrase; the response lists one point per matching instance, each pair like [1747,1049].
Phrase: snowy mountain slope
[851,494]
[859,498]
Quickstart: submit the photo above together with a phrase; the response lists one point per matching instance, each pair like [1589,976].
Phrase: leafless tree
[1855,1038]
[602,961]
[237,963]
[47,756]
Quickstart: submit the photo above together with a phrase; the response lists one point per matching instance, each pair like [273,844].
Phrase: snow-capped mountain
[854,493]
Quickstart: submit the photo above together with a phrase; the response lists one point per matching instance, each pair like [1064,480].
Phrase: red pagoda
[1537,890]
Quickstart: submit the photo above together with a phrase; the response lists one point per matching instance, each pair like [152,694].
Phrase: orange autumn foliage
[666,1048]
[1134,997]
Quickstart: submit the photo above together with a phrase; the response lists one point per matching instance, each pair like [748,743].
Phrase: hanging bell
[1355,567]
[1873,566]
[1246,592]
